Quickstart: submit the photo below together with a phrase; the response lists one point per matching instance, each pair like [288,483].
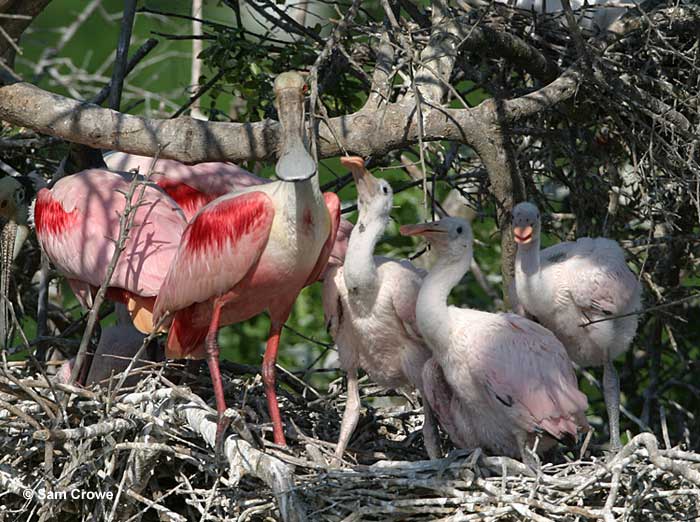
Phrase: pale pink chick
[497,381]
[573,289]
[370,309]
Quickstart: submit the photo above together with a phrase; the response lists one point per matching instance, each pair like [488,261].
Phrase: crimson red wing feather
[215,227]
[189,199]
[220,245]
[49,215]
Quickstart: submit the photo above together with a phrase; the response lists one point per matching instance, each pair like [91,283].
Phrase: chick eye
[385,189]
[459,230]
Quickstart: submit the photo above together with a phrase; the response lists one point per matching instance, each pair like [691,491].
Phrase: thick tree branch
[191,141]
[563,88]
[501,44]
[438,57]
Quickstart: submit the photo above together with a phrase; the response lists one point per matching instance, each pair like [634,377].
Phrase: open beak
[365,182]
[523,235]
[423,229]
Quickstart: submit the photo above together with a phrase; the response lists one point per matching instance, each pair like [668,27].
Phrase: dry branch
[170,435]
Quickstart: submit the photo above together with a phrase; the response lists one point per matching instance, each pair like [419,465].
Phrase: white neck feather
[432,311]
[528,277]
[360,269]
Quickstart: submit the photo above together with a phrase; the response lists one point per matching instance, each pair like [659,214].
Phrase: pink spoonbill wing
[527,370]
[219,247]
[191,186]
[77,223]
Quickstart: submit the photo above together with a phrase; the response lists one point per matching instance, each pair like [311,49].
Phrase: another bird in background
[369,305]
[77,225]
[191,186]
[497,381]
[251,251]
[573,289]
[16,195]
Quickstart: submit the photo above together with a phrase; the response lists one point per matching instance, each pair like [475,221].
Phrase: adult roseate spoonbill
[370,307]
[251,251]
[193,186]
[504,379]
[571,285]
[77,224]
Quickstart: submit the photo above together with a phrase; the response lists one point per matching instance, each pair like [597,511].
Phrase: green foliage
[562,154]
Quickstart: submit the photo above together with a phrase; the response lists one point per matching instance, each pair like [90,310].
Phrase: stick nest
[149,454]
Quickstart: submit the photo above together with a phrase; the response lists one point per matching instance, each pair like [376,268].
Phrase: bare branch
[192,141]
[438,57]
[120,65]
[24,12]
[563,88]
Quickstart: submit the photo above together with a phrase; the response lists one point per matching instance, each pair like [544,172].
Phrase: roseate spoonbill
[193,186]
[571,285]
[250,251]
[504,379]
[370,308]
[77,224]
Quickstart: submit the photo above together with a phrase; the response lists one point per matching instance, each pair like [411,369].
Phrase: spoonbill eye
[385,189]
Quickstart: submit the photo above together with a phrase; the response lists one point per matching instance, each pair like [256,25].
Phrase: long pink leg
[268,375]
[212,347]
